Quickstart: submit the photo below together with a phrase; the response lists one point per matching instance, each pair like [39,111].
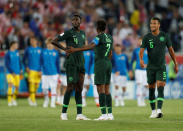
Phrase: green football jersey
[104,46]
[156,49]
[75,39]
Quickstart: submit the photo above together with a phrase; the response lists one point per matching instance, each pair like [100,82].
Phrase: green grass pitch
[128,118]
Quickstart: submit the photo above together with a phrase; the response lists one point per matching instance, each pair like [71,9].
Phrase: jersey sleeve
[63,36]
[144,43]
[7,63]
[169,42]
[96,40]
[127,63]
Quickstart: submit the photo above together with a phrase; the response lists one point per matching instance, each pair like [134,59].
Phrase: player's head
[14,45]
[48,43]
[154,24]
[118,48]
[76,20]
[101,25]
[33,41]
[139,41]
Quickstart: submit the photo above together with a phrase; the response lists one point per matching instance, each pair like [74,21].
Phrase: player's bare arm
[85,47]
[56,43]
[172,54]
[141,57]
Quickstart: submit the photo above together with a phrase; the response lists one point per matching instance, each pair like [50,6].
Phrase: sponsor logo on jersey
[39,51]
[61,34]
[83,36]
[162,38]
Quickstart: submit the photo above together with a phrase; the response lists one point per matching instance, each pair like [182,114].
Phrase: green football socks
[78,99]
[152,98]
[102,102]
[160,96]
[66,101]
[109,103]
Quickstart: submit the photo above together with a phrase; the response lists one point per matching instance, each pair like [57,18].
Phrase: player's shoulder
[164,34]
[82,32]
[147,35]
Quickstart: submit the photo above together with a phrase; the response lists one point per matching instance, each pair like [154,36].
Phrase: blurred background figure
[140,74]
[121,67]
[14,70]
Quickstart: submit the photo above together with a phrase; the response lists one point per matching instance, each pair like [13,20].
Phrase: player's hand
[142,65]
[117,73]
[70,50]
[89,77]
[13,74]
[40,73]
[176,68]
[27,70]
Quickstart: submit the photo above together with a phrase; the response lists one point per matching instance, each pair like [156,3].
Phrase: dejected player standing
[156,42]
[75,69]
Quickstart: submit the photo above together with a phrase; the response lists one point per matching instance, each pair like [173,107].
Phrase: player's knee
[160,83]
[152,85]
[10,85]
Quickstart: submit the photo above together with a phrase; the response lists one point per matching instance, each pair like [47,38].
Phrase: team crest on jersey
[83,36]
[162,38]
[39,51]
[54,54]
[122,58]
[88,53]
[17,54]
[70,78]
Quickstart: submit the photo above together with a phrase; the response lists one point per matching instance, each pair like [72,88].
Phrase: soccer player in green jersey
[102,45]
[75,69]
[156,42]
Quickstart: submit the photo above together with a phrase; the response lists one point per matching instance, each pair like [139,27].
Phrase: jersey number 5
[108,48]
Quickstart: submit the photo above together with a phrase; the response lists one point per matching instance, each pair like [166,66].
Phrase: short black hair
[76,15]
[156,18]
[12,43]
[101,25]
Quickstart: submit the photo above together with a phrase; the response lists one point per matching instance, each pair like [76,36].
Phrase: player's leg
[117,93]
[61,89]
[32,88]
[10,81]
[78,97]
[85,90]
[151,76]
[102,80]
[71,76]
[58,101]
[45,87]
[53,86]
[109,102]
[102,102]
[123,83]
[139,93]
[95,92]
[144,87]
[117,96]
[161,81]
[15,93]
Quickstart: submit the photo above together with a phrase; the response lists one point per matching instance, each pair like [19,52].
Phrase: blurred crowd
[127,19]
